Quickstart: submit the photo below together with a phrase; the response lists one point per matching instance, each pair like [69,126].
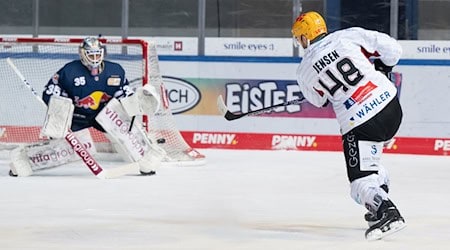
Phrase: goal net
[21,114]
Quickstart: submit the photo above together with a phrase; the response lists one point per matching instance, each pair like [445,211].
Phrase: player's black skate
[373,218]
[12,174]
[390,221]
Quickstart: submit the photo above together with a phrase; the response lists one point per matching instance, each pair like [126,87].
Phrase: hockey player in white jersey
[336,69]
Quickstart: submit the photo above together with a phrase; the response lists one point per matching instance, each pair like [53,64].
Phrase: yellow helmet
[310,24]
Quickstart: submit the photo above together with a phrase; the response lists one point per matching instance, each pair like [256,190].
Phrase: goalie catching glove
[146,100]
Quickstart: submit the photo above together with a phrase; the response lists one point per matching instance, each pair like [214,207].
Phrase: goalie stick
[233,116]
[77,146]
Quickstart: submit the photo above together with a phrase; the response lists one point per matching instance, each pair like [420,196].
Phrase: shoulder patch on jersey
[55,79]
[114,81]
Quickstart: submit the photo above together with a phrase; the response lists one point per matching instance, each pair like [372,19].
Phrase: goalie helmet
[91,52]
[310,24]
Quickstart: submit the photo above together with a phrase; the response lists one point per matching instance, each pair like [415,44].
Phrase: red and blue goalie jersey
[89,93]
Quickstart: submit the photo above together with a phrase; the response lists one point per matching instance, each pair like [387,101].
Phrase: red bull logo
[92,101]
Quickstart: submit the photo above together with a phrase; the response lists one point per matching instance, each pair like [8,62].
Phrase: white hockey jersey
[337,69]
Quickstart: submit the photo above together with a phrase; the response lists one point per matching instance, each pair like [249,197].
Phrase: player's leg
[56,152]
[366,184]
[26,160]
[133,144]
[369,180]
[362,160]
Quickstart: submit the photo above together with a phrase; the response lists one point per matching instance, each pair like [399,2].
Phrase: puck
[161,141]
[148,173]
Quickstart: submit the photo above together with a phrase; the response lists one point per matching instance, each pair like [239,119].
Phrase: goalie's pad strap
[58,118]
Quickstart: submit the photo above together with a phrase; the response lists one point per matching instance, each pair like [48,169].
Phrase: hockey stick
[132,83]
[394,77]
[233,116]
[77,146]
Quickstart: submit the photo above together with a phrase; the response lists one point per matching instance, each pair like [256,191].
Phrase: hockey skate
[389,222]
[373,218]
[19,165]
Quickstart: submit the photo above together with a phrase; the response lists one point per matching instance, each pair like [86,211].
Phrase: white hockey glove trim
[58,118]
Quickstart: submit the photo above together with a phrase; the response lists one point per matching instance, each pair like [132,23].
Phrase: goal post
[21,117]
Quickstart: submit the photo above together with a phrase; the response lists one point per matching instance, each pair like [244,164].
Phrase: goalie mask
[91,53]
[311,25]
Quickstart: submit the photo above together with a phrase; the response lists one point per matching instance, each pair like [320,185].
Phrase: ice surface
[257,200]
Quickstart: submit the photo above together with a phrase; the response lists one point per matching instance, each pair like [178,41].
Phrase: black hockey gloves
[380,66]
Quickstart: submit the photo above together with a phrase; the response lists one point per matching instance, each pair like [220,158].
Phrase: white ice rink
[255,200]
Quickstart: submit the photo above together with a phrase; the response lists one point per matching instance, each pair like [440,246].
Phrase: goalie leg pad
[132,144]
[115,121]
[149,163]
[53,153]
[58,152]
[152,159]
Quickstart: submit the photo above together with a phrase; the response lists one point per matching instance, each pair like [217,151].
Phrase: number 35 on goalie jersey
[88,93]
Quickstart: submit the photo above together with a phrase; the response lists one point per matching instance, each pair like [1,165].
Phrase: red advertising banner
[264,141]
